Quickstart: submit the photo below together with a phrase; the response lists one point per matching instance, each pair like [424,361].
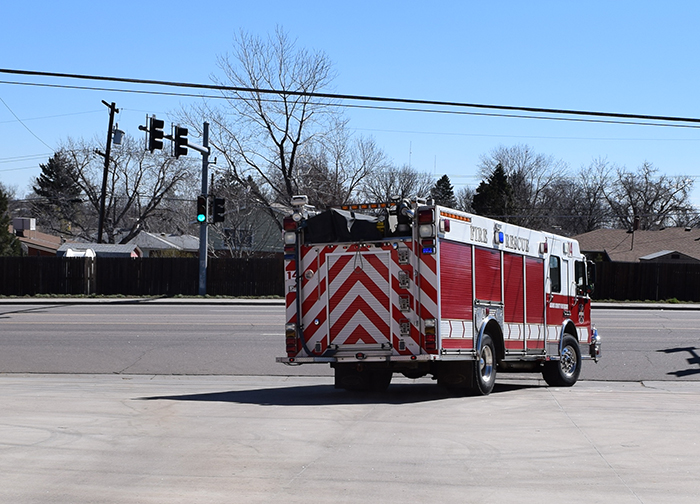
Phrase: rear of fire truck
[360,291]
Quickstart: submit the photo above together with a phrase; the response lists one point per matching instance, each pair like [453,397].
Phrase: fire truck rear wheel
[485,367]
[381,379]
[565,371]
[361,377]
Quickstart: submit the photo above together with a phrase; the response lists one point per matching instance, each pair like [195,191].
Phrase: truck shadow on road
[694,359]
[327,395]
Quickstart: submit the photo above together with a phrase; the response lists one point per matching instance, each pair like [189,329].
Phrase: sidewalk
[186,439]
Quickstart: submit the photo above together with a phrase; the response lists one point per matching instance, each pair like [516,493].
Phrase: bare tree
[273,132]
[576,204]
[331,169]
[137,185]
[465,197]
[645,199]
[392,181]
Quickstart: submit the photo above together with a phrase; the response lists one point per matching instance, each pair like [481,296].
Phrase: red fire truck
[416,288]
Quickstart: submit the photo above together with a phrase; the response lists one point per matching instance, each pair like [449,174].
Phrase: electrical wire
[367,107]
[662,120]
[25,126]
[51,116]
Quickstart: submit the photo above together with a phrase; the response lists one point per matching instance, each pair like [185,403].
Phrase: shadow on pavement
[327,395]
[694,359]
[39,309]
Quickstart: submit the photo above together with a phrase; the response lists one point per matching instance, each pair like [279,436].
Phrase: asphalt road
[218,339]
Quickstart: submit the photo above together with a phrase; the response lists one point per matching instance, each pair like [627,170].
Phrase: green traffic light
[201,217]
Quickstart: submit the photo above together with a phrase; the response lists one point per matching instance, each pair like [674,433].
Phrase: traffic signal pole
[155,137]
[203,230]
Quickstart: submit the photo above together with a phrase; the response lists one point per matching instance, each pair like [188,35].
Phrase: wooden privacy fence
[647,281]
[161,276]
[172,276]
[28,276]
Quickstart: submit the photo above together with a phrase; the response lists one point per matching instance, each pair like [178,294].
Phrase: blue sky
[637,57]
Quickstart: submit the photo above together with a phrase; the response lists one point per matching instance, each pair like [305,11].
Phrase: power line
[364,107]
[23,158]
[18,169]
[48,117]
[25,126]
[378,99]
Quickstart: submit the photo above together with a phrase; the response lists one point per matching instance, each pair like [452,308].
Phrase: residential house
[247,233]
[34,243]
[669,245]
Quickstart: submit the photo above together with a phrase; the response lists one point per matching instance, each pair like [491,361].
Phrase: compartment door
[359,304]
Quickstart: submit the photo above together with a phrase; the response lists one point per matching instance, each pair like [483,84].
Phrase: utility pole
[108,150]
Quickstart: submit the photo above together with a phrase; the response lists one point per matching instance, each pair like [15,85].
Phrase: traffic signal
[219,209]
[155,133]
[201,208]
[180,141]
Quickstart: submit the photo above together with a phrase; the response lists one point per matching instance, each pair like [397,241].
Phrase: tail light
[291,339]
[426,230]
[425,216]
[289,235]
[430,342]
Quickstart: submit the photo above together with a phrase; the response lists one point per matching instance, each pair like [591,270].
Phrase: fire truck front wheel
[565,371]
[485,367]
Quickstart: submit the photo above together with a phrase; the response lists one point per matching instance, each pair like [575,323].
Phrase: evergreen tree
[9,245]
[494,197]
[58,191]
[443,192]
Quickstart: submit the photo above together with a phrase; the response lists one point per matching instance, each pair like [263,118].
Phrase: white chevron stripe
[359,290]
[344,274]
[359,319]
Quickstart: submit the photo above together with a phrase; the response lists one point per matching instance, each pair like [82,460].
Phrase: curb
[154,300]
[281,302]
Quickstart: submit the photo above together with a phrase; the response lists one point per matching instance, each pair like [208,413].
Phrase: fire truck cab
[415,288]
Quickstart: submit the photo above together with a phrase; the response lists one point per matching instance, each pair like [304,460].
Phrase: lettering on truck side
[478,234]
[516,243]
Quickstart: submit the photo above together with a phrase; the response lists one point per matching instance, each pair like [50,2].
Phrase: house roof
[669,256]
[623,246]
[39,241]
[102,249]
[162,241]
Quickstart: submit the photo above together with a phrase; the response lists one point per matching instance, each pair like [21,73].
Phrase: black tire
[485,367]
[380,380]
[565,371]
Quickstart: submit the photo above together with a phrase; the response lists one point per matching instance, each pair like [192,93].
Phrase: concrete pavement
[191,439]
